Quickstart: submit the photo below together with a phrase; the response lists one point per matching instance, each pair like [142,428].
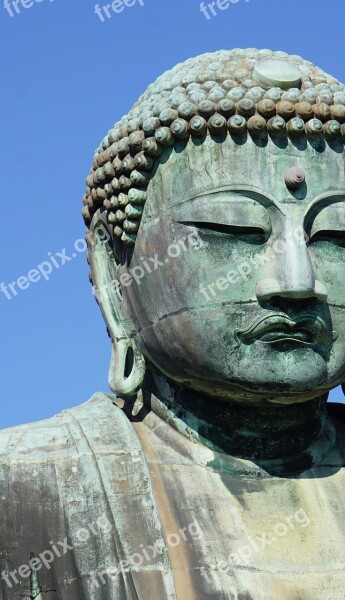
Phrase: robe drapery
[95,507]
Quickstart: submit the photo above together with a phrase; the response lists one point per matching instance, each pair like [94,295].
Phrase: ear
[127,366]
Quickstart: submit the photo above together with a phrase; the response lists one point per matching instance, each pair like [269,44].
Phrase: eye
[249,234]
[327,236]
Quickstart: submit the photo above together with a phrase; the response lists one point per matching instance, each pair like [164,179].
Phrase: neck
[258,431]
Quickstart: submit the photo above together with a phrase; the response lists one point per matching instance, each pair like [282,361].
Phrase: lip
[282,334]
[275,329]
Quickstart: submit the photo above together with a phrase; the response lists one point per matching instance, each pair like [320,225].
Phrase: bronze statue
[216,231]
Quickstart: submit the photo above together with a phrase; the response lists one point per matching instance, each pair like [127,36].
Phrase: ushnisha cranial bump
[217,94]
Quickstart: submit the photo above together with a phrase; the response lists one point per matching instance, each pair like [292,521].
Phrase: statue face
[237,283]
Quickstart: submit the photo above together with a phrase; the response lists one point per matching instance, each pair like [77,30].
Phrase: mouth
[275,329]
[276,335]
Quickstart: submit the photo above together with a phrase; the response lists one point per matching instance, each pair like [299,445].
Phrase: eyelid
[330,218]
[329,232]
[226,211]
[324,203]
[215,226]
[336,233]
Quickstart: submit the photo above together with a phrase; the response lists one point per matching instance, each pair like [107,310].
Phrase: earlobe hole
[129,363]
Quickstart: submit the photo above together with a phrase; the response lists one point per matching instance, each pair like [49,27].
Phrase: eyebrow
[257,194]
[325,199]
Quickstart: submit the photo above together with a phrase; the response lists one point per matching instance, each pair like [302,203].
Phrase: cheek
[195,344]
[180,323]
[175,268]
[338,325]
[329,266]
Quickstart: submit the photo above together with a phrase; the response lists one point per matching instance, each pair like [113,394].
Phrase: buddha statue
[216,232]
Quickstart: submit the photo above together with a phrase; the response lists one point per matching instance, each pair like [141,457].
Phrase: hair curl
[213,94]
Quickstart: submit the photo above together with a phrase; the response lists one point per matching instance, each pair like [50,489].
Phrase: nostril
[276,301]
[292,291]
[298,305]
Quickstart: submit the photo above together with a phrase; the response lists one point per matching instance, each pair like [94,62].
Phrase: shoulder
[59,479]
[94,425]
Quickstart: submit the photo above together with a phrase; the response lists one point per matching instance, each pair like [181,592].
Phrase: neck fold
[267,433]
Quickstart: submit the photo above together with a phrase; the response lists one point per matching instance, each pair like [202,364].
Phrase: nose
[290,274]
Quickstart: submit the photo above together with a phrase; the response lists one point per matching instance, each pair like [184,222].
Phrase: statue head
[216,225]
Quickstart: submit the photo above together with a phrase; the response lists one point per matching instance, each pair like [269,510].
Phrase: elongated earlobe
[127,368]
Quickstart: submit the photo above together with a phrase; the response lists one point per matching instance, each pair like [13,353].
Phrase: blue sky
[66,78]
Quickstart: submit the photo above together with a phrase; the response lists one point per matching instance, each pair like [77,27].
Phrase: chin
[281,369]
[292,380]
[261,391]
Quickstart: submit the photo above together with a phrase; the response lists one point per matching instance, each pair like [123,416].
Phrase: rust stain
[178,556]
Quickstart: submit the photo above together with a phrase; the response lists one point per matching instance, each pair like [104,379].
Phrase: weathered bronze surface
[216,232]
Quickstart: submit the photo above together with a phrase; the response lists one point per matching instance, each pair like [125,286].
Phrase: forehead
[192,170]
